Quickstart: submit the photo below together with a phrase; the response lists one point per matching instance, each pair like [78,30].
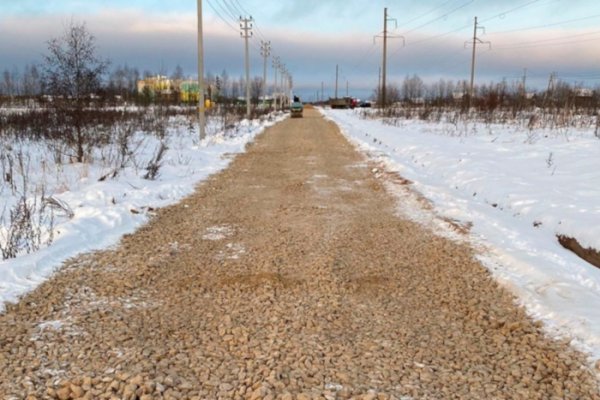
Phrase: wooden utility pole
[201,110]
[383,69]
[322,91]
[550,89]
[336,80]
[265,51]
[379,86]
[384,63]
[475,41]
[473,63]
[275,65]
[246,26]
[282,99]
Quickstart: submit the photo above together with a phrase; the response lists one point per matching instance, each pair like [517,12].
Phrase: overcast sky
[312,36]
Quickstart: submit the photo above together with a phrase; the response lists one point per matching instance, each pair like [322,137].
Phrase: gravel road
[286,276]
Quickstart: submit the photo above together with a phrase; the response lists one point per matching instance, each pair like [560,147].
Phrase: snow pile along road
[106,210]
[520,188]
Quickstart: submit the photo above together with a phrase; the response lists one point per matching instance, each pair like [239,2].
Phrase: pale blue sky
[312,36]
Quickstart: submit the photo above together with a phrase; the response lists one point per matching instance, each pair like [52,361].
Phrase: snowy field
[103,211]
[519,188]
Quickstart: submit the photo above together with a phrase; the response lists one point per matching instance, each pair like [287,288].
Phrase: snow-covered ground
[103,211]
[519,188]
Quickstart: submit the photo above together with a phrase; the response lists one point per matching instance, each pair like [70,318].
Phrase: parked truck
[342,102]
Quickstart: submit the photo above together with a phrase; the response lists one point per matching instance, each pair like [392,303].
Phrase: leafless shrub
[156,162]
[59,205]
[28,224]
[120,152]
[7,164]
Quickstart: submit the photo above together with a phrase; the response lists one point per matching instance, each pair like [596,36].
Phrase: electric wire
[427,13]
[463,5]
[546,25]
[236,8]
[503,14]
[550,41]
[218,14]
[232,11]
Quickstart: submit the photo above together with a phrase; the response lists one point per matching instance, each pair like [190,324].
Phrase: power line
[231,10]
[546,25]
[227,10]
[441,16]
[236,9]
[503,14]
[429,38]
[212,6]
[464,26]
[549,42]
[428,12]
[239,6]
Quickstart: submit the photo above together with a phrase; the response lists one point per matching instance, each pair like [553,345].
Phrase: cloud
[155,40]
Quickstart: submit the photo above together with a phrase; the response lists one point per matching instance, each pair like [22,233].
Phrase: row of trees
[413,90]
[122,82]
[15,83]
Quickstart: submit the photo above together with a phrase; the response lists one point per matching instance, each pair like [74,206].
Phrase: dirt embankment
[287,276]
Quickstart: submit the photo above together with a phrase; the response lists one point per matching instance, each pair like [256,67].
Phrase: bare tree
[412,88]
[73,70]
[178,74]
[392,94]
[31,81]
[256,89]
[235,90]
[225,84]
[10,82]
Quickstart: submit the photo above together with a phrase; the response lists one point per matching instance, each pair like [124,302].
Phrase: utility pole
[201,111]
[550,89]
[475,41]
[282,100]
[265,51]
[382,89]
[275,64]
[246,26]
[322,91]
[336,81]
[383,69]
[523,89]
[379,85]
[286,85]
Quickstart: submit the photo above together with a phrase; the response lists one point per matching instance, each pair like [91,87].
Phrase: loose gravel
[286,276]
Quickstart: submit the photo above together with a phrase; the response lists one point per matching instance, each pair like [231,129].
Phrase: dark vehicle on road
[297,108]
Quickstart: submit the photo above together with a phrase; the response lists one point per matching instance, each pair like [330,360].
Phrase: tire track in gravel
[286,276]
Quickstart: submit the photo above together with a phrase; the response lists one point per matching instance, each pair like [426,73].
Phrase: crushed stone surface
[286,276]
